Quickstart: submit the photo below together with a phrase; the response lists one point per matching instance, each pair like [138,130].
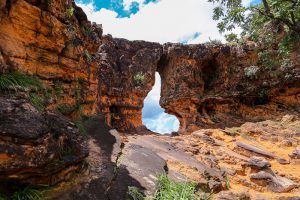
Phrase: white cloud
[164,123]
[154,117]
[163,21]
[127,3]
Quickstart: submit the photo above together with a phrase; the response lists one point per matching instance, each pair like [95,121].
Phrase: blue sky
[119,6]
[154,117]
[184,21]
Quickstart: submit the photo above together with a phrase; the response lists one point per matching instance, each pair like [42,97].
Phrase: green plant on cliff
[87,30]
[139,78]
[37,101]
[88,56]
[70,12]
[57,84]
[81,127]
[27,193]
[273,25]
[17,80]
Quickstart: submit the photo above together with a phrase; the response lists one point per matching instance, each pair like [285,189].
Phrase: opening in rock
[154,116]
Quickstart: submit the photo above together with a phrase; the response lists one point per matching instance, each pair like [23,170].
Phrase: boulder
[274,182]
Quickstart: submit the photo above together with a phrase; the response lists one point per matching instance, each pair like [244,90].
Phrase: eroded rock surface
[230,171]
[37,147]
[50,40]
[209,86]
[127,74]
[54,42]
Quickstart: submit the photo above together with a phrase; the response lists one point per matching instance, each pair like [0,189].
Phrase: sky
[183,21]
[153,116]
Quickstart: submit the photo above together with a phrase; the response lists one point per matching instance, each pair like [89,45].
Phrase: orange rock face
[127,74]
[222,86]
[54,41]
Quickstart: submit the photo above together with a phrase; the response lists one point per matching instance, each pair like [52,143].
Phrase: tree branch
[267,8]
[293,26]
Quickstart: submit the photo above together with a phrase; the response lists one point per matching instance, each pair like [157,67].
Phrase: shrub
[213,42]
[87,30]
[171,190]
[70,12]
[139,78]
[27,193]
[251,71]
[135,194]
[16,80]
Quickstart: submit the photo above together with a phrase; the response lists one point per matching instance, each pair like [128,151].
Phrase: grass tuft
[171,190]
[16,80]
[37,101]
[27,193]
[135,194]
[81,127]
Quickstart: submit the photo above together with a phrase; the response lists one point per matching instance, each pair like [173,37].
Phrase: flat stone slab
[274,182]
[143,166]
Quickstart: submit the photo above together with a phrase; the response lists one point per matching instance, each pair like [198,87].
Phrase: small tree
[273,24]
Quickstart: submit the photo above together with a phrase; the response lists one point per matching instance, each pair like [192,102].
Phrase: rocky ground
[253,161]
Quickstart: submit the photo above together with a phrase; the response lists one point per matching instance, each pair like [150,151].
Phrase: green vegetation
[213,42]
[171,190]
[263,97]
[88,56]
[27,193]
[81,127]
[70,12]
[251,71]
[139,78]
[37,101]
[134,193]
[227,182]
[16,80]
[273,25]
[86,29]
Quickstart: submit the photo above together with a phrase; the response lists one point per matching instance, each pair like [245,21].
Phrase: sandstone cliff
[47,69]
[204,86]
[209,86]
[55,67]
[127,74]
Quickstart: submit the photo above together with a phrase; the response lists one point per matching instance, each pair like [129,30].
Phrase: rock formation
[53,42]
[221,86]
[204,86]
[56,68]
[37,148]
[126,76]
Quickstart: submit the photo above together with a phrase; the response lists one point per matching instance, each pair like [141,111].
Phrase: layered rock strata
[54,41]
[127,74]
[209,86]
[203,85]
[37,147]
[54,44]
